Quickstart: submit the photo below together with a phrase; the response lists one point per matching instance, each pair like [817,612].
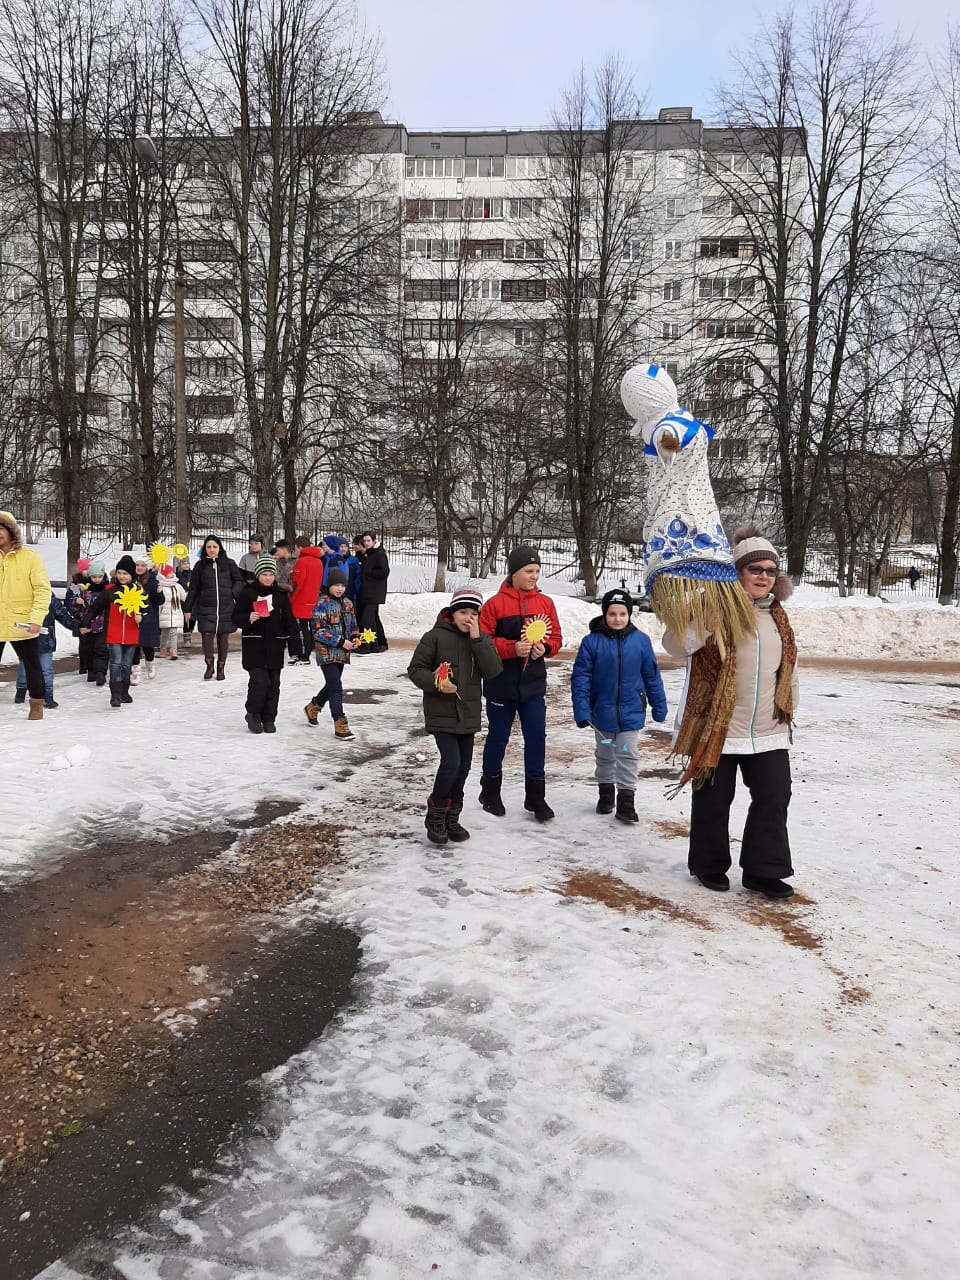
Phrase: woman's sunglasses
[758,571]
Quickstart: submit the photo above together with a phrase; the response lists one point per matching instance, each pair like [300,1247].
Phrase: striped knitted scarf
[711,696]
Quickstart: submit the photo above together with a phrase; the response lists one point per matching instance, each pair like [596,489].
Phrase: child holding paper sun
[266,621]
[448,665]
[335,636]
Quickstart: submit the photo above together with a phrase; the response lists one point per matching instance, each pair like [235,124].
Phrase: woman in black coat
[266,622]
[449,664]
[214,584]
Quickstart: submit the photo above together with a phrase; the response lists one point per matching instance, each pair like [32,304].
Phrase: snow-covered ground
[563,1057]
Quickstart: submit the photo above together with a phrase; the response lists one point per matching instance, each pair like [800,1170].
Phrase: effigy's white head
[648,392]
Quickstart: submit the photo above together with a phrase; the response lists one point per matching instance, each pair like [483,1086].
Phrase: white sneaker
[151,671]
[135,675]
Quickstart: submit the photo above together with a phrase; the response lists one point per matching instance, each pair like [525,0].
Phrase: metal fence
[866,575]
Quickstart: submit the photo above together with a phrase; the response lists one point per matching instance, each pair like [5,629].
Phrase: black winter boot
[253,723]
[116,689]
[625,810]
[436,822]
[454,830]
[534,802]
[20,695]
[125,691]
[608,796]
[490,784]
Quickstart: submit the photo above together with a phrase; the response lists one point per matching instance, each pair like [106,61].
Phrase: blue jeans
[46,666]
[121,660]
[533,723]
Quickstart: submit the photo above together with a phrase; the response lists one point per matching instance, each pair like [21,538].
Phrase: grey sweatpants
[617,758]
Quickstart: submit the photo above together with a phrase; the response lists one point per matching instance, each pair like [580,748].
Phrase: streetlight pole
[148,156]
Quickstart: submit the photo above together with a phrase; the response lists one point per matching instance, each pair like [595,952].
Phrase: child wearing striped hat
[448,664]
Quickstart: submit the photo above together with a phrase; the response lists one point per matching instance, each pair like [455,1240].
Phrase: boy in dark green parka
[448,664]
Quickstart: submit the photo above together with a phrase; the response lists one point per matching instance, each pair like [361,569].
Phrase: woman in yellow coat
[24,601]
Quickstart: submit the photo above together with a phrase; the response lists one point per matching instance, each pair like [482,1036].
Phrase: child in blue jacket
[615,675]
[47,647]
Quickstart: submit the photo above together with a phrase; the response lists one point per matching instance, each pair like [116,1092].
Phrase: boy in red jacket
[305,584]
[525,630]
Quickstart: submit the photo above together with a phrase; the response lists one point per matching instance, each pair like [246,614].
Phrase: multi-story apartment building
[476,243]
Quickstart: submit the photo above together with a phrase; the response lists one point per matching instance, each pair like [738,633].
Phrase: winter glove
[583,724]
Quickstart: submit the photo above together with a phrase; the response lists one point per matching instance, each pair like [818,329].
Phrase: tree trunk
[949,530]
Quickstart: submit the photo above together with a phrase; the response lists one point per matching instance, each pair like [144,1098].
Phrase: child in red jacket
[306,580]
[123,626]
[525,629]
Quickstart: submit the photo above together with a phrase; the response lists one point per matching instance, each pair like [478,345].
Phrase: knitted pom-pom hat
[264,564]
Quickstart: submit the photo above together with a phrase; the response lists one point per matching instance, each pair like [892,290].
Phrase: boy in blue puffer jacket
[615,675]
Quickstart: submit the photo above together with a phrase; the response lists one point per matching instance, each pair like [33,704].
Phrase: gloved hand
[583,724]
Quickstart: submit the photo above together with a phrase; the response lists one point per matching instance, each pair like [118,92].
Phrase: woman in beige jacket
[755,731]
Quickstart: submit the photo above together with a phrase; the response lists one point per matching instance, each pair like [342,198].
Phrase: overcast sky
[452,64]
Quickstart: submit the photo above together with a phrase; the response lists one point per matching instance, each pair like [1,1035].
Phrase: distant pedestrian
[184,576]
[307,579]
[47,647]
[248,560]
[94,661]
[149,641]
[171,612]
[123,627]
[374,572]
[914,575]
[214,584]
[351,563]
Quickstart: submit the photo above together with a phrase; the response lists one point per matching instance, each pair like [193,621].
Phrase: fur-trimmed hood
[10,524]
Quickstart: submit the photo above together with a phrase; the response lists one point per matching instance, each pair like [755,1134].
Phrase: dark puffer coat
[374,572]
[213,590]
[471,661]
[150,618]
[263,644]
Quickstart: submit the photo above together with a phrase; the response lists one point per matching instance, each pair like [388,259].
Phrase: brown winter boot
[208,642]
[311,711]
[342,729]
[36,709]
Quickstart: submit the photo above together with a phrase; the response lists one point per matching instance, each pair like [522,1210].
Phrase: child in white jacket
[171,611]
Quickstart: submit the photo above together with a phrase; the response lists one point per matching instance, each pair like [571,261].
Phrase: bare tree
[59,61]
[289,95]
[826,117]
[596,226]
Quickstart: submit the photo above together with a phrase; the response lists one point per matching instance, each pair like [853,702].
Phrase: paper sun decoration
[131,600]
[181,551]
[160,553]
[536,629]
[367,636]
[442,673]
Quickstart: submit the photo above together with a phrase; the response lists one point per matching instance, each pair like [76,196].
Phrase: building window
[432,210]
[523,336]
[524,208]
[430,330]
[487,209]
[526,166]
[726,329]
[524,290]
[208,327]
[483,167]
[727,287]
[669,331]
[430,291]
[431,248]
[672,250]
[210,406]
[378,489]
[481,290]
[633,251]
[727,247]
[485,250]
[673,369]
[673,208]
[434,166]
[523,250]
[671,290]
